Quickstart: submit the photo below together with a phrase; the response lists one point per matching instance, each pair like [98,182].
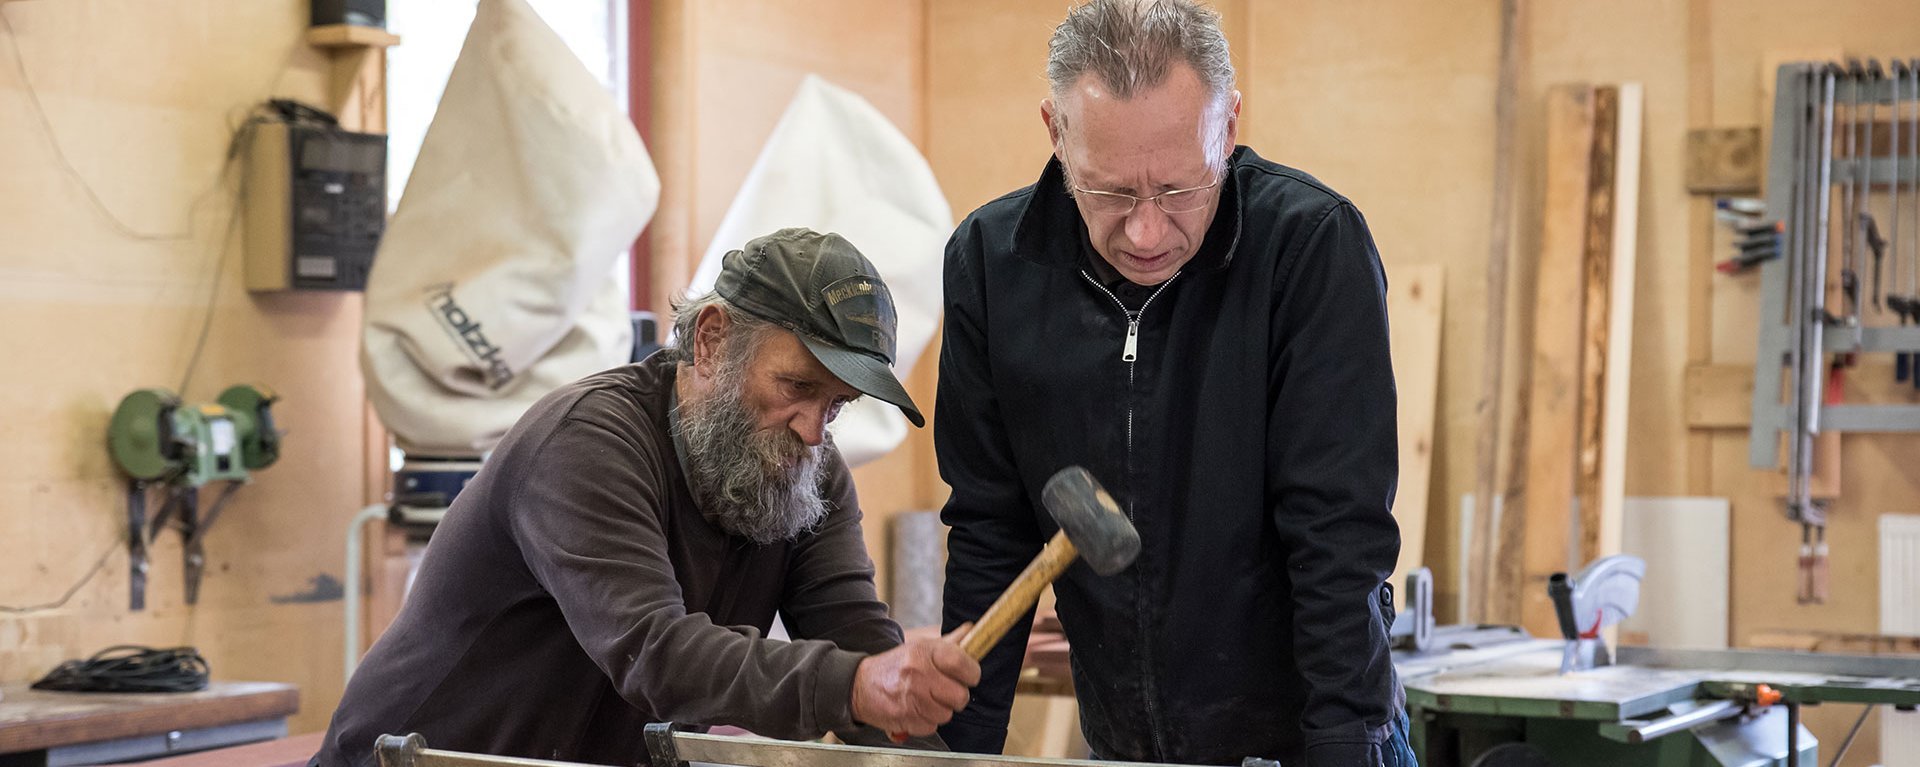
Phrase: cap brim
[865,373]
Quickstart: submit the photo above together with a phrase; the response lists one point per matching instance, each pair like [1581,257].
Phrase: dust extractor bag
[835,164]
[493,284]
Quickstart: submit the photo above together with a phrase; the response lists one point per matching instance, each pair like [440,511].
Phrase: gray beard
[763,486]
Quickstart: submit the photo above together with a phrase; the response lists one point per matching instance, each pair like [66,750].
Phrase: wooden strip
[1481,585]
[350,36]
[1701,229]
[673,147]
[1413,311]
[31,720]
[1597,270]
[1723,160]
[1629,126]
[1537,539]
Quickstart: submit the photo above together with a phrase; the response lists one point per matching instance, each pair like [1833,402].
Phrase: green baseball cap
[821,288]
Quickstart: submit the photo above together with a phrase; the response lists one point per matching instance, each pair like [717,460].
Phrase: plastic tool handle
[1560,590]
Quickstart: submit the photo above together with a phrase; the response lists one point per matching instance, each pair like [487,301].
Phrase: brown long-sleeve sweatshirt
[575,593]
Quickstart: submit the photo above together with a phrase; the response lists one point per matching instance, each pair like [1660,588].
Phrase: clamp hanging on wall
[1853,132]
[160,441]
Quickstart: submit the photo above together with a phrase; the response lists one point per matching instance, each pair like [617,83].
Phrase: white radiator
[1899,614]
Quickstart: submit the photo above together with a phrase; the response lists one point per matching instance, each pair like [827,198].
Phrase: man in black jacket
[1206,332]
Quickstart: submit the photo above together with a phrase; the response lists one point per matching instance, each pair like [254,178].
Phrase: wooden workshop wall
[1877,470]
[1877,475]
[723,74]
[1391,104]
[137,99]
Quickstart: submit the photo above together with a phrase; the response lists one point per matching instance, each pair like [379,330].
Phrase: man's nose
[810,425]
[1146,224]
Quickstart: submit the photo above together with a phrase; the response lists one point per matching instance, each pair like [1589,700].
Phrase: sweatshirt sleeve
[830,596]
[587,524]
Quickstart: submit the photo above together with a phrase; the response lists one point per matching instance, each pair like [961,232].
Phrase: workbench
[1655,707]
[58,729]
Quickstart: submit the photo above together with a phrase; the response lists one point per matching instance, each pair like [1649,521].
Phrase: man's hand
[916,687]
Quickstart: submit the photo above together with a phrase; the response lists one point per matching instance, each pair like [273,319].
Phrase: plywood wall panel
[139,99]
[1392,106]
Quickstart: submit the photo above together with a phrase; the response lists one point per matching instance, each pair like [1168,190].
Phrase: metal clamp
[660,745]
[400,750]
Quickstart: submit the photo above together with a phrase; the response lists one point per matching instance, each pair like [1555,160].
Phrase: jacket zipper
[1130,346]
[1130,354]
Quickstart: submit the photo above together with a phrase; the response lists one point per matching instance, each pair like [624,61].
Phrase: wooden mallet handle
[1020,596]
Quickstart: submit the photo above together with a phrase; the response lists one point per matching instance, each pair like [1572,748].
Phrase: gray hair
[1132,44]
[686,312]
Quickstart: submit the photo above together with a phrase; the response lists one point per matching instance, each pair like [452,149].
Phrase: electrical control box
[316,205]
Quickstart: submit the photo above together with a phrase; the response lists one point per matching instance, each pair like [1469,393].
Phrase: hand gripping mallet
[1092,528]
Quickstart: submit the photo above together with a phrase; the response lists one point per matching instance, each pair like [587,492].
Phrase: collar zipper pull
[1131,351]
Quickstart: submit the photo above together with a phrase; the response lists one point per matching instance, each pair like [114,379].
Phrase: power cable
[98,564]
[131,668]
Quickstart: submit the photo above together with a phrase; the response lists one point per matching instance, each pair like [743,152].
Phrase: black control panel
[338,196]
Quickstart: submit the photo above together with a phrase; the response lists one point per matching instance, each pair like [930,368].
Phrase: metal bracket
[137,544]
[660,745]
[399,750]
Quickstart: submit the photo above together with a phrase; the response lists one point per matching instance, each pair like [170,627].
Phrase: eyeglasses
[1120,204]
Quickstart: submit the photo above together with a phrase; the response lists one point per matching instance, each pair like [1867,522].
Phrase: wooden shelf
[350,36]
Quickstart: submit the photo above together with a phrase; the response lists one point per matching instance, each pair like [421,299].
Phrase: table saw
[1655,707]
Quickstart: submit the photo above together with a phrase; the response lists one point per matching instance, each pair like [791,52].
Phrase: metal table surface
[1524,679]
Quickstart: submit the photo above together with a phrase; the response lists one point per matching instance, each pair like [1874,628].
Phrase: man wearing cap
[620,557]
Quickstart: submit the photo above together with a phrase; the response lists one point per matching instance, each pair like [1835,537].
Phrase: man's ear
[1233,124]
[1053,127]
[709,335]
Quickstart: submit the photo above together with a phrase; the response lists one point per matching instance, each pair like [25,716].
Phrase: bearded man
[620,557]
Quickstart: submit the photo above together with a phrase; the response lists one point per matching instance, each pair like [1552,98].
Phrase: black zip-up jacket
[1251,440]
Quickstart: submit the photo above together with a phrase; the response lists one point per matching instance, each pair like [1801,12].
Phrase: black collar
[1051,231]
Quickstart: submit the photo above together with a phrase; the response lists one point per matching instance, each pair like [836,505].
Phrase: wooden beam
[1596,302]
[1602,537]
[1481,584]
[1701,229]
[640,110]
[1537,537]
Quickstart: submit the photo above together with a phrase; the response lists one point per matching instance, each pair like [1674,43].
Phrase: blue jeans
[1398,750]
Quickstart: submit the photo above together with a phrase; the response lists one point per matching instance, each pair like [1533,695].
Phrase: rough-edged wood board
[1482,531]
[1723,160]
[1413,315]
[1628,124]
[1596,302]
[31,719]
[1536,537]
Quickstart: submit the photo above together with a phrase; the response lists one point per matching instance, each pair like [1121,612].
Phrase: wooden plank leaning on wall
[1534,536]
[1413,317]
[1574,422]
